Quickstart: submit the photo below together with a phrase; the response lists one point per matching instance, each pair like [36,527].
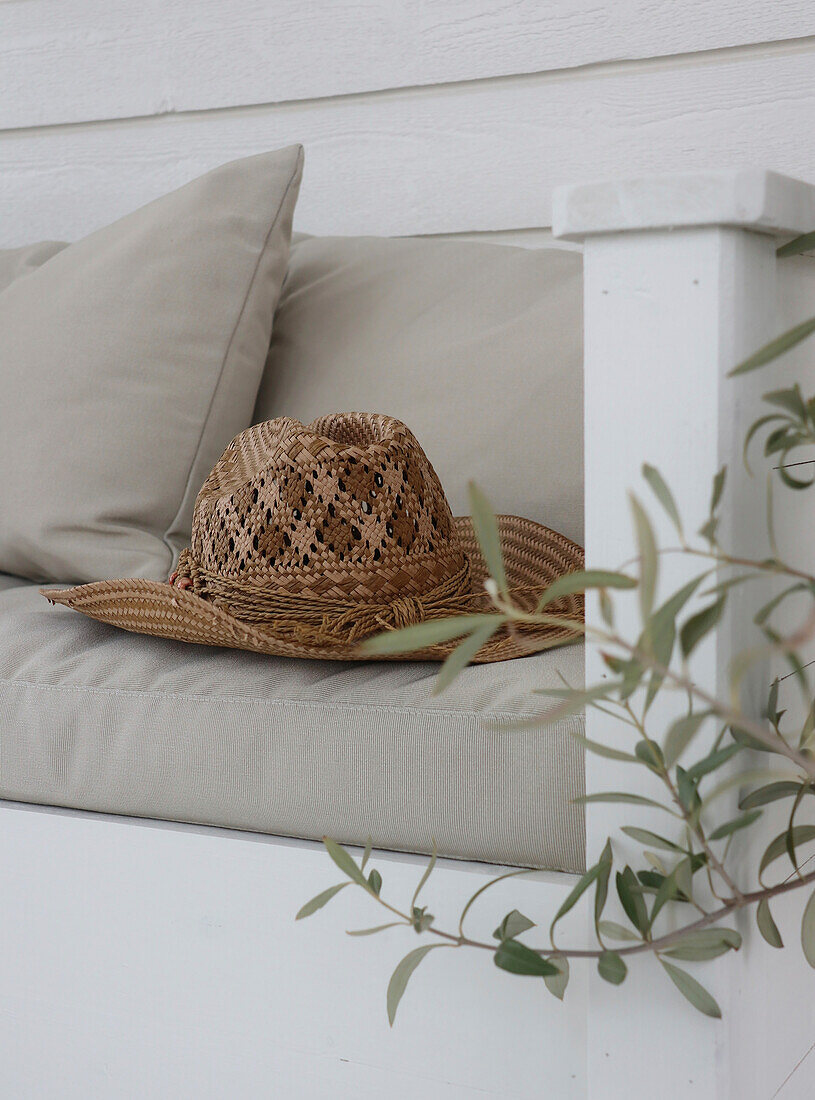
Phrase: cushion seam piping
[129,692]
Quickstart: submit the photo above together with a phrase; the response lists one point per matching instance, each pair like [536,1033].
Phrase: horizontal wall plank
[453,159]
[102,59]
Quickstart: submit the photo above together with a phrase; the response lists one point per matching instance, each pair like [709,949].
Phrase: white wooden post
[680,283]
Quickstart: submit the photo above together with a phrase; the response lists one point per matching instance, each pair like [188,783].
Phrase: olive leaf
[320,900]
[712,761]
[706,943]
[631,899]
[402,975]
[645,836]
[775,348]
[601,889]
[772,792]
[790,399]
[801,834]
[428,871]
[666,891]
[692,990]
[620,796]
[346,864]
[513,924]
[663,494]
[614,931]
[583,883]
[648,557]
[603,750]
[580,581]
[680,735]
[464,653]
[420,918]
[717,489]
[517,958]
[489,539]
[366,855]
[611,967]
[735,824]
[556,983]
[424,635]
[766,925]
[651,755]
[699,625]
[659,635]
[808,931]
[804,243]
[378,928]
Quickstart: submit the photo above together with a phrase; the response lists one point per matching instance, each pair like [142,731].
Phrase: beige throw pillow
[478,347]
[128,361]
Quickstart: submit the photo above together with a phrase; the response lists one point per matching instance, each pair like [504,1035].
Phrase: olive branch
[688,875]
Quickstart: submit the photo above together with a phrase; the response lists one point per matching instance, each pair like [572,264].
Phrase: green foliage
[646,543]
[402,975]
[517,958]
[580,581]
[629,892]
[663,495]
[808,931]
[557,983]
[424,635]
[681,886]
[346,864]
[486,529]
[692,990]
[513,924]
[730,827]
[776,347]
[700,625]
[611,968]
[804,243]
[680,735]
[703,944]
[766,925]
[374,930]
[319,901]
[772,792]
[779,845]
[463,654]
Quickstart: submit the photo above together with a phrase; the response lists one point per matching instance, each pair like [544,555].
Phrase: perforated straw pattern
[307,539]
[348,507]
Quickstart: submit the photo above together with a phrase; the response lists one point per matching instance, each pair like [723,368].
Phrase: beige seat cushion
[478,347]
[129,360]
[98,719]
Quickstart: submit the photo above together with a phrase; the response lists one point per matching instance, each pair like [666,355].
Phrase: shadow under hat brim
[534,557]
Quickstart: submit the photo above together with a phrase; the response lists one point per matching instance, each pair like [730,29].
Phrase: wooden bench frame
[149,959]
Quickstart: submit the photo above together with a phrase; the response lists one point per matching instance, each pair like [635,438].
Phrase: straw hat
[308,539]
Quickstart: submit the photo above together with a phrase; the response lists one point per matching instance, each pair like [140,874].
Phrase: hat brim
[534,557]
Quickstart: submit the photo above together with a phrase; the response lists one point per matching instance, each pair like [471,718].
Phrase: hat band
[316,619]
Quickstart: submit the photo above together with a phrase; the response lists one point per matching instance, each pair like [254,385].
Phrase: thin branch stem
[728,907]
[779,568]
[691,821]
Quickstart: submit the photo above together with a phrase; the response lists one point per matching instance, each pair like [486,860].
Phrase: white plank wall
[174,55]
[417,117]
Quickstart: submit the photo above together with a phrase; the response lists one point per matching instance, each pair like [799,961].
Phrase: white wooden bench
[151,959]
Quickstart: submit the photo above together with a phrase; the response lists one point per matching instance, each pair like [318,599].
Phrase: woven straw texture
[308,539]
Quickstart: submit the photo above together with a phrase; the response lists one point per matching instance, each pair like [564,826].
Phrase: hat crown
[347,507]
